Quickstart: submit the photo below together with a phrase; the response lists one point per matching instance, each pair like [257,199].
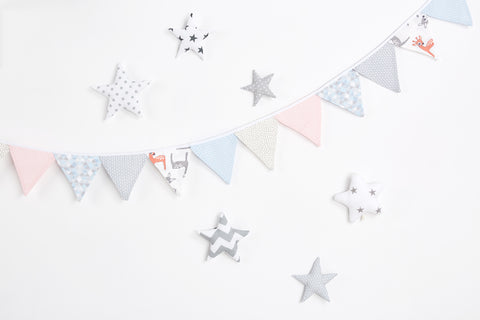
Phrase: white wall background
[107,259]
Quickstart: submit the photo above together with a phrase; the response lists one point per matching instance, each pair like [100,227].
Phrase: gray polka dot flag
[124,171]
[381,68]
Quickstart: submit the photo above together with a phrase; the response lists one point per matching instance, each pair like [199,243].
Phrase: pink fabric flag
[30,165]
[305,118]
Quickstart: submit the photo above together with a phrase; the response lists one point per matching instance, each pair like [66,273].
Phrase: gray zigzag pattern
[226,236]
[232,252]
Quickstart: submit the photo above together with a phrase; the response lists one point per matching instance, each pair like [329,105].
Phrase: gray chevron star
[223,238]
[315,282]
[259,87]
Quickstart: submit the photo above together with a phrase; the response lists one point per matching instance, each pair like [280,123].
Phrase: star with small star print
[360,198]
[123,93]
[191,37]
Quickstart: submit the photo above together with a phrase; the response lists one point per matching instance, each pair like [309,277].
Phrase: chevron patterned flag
[223,238]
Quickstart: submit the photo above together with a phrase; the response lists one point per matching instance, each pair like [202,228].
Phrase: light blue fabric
[79,170]
[455,11]
[218,155]
[345,93]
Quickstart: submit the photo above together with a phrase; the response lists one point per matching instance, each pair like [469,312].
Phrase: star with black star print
[191,37]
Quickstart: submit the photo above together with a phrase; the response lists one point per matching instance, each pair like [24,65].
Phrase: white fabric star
[315,282]
[224,238]
[191,38]
[122,93]
[360,198]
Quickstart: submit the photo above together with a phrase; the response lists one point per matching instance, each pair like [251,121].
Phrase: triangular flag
[79,170]
[455,11]
[381,68]
[173,166]
[3,151]
[415,35]
[124,171]
[261,139]
[218,155]
[345,93]
[305,118]
[30,165]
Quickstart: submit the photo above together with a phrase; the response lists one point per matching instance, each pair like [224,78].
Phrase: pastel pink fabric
[30,165]
[305,118]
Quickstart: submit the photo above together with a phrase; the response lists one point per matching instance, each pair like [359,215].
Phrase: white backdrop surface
[107,259]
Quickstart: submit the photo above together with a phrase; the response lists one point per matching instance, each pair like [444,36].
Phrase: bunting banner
[173,166]
[304,118]
[455,11]
[381,68]
[261,139]
[260,136]
[79,170]
[218,155]
[345,93]
[30,165]
[124,170]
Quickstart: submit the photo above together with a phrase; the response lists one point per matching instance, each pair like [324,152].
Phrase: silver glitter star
[259,87]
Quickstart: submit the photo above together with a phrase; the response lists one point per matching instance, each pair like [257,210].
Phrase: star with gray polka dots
[259,87]
[123,93]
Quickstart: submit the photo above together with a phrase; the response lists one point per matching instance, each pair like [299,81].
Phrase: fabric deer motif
[416,29]
[157,159]
[173,171]
[425,47]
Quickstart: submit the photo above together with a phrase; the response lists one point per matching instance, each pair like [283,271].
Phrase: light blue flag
[345,93]
[218,155]
[455,11]
[79,170]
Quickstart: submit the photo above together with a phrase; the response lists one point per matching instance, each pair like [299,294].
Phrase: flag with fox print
[173,166]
